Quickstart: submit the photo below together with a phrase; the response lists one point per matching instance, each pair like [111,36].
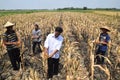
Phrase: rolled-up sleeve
[4,37]
[108,39]
[39,33]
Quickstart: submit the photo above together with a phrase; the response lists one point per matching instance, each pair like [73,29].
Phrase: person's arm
[46,52]
[46,45]
[12,43]
[7,43]
[103,42]
[96,40]
[34,36]
[100,42]
[106,41]
[53,53]
[19,40]
[5,40]
[39,34]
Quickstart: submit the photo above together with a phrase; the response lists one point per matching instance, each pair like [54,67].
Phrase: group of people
[52,45]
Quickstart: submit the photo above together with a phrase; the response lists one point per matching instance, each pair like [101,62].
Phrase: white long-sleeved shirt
[53,43]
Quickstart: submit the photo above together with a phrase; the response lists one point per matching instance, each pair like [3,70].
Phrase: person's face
[10,28]
[57,34]
[104,30]
[36,28]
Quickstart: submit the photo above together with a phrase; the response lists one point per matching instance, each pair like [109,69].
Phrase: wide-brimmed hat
[8,24]
[105,28]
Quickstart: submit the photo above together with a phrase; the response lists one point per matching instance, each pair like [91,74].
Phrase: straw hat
[105,28]
[8,24]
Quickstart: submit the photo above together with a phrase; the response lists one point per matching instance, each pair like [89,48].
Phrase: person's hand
[93,41]
[51,55]
[46,55]
[34,37]
[98,42]
[3,46]
[102,42]
[16,43]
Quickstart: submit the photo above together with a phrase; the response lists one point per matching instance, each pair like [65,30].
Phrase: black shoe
[49,76]
[98,62]
[55,74]
[16,69]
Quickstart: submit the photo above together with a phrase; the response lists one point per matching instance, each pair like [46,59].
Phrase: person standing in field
[12,41]
[102,44]
[52,46]
[36,39]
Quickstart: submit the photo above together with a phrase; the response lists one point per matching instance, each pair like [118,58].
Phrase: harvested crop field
[77,53]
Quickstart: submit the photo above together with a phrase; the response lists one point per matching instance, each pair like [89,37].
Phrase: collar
[54,36]
[104,33]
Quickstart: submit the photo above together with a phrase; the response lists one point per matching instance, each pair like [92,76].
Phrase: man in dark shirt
[11,40]
[102,44]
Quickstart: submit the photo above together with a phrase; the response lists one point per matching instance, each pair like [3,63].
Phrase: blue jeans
[100,60]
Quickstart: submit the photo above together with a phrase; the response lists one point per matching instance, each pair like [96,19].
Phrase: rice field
[77,53]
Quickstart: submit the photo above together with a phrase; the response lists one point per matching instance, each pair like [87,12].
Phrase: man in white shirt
[52,46]
[36,38]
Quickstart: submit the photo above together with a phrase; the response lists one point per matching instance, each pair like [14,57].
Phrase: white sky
[53,4]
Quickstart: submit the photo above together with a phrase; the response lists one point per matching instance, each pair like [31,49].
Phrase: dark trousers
[36,44]
[100,60]
[15,58]
[53,65]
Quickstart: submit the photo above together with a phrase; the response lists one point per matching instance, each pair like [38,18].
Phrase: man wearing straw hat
[102,44]
[52,46]
[11,40]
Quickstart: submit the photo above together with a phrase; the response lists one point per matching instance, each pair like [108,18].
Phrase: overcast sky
[53,4]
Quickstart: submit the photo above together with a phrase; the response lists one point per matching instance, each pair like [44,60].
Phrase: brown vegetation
[77,54]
